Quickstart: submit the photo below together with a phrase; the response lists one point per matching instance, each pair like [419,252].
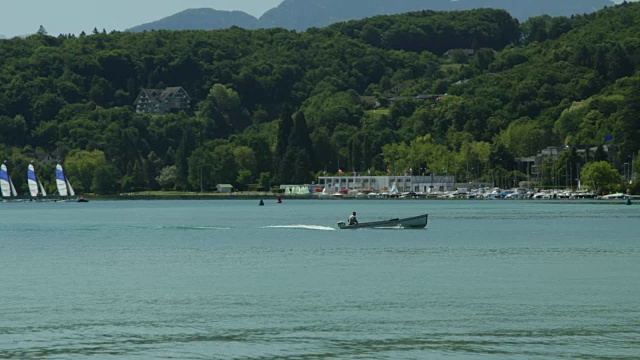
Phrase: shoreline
[274,197]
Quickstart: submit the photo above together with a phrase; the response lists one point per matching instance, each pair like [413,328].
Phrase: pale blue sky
[19,17]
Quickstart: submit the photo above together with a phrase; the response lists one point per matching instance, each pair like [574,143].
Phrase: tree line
[275,106]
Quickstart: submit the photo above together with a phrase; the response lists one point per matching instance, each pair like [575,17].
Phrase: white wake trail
[306,227]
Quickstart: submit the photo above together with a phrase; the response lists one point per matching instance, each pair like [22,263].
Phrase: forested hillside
[277,106]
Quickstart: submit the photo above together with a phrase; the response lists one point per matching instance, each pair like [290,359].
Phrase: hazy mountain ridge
[201,19]
[303,14]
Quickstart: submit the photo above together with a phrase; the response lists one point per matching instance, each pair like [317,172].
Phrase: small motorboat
[82,199]
[415,222]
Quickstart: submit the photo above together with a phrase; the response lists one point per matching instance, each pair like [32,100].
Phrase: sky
[22,17]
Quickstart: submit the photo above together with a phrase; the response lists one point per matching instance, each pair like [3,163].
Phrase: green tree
[225,168]
[201,169]
[524,137]
[265,181]
[223,113]
[245,177]
[168,177]
[245,157]
[104,180]
[13,131]
[285,127]
[82,166]
[600,176]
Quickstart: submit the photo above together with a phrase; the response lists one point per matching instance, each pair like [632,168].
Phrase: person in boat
[352,219]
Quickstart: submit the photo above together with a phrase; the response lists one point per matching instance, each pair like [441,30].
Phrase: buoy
[279,200]
[261,203]
[629,201]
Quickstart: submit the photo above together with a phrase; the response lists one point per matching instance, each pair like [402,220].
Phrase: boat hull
[415,222]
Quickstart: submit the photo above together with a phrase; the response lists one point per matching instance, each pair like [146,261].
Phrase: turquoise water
[232,280]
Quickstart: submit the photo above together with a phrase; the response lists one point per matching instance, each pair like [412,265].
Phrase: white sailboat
[64,186]
[35,186]
[6,185]
[394,188]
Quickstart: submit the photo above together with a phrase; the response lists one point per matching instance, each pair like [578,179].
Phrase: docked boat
[64,186]
[36,190]
[614,196]
[6,185]
[415,222]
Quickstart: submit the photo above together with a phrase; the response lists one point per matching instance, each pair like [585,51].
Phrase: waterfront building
[403,183]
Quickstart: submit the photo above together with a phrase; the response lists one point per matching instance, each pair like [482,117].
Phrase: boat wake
[194,228]
[304,227]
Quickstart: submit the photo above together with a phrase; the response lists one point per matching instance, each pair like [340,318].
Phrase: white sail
[13,189]
[61,181]
[6,189]
[71,192]
[5,182]
[32,180]
[42,192]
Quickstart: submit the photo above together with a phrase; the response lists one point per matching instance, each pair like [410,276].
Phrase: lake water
[232,280]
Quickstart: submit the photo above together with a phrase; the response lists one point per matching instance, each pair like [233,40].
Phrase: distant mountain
[2,36]
[303,14]
[201,19]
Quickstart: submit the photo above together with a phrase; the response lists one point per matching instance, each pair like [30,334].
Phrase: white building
[423,184]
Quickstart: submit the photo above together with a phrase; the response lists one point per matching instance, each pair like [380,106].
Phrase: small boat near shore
[415,222]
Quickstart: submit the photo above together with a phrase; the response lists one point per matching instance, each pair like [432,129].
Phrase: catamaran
[6,185]
[35,186]
[64,186]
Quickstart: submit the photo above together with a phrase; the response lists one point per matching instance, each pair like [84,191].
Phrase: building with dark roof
[162,101]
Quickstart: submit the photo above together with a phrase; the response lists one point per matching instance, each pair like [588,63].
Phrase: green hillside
[463,92]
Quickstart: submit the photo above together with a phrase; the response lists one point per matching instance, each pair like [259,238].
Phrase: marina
[433,187]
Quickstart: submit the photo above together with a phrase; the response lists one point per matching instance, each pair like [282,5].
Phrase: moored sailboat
[63,184]
[6,185]
[36,190]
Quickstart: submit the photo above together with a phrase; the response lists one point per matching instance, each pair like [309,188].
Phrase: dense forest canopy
[463,92]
